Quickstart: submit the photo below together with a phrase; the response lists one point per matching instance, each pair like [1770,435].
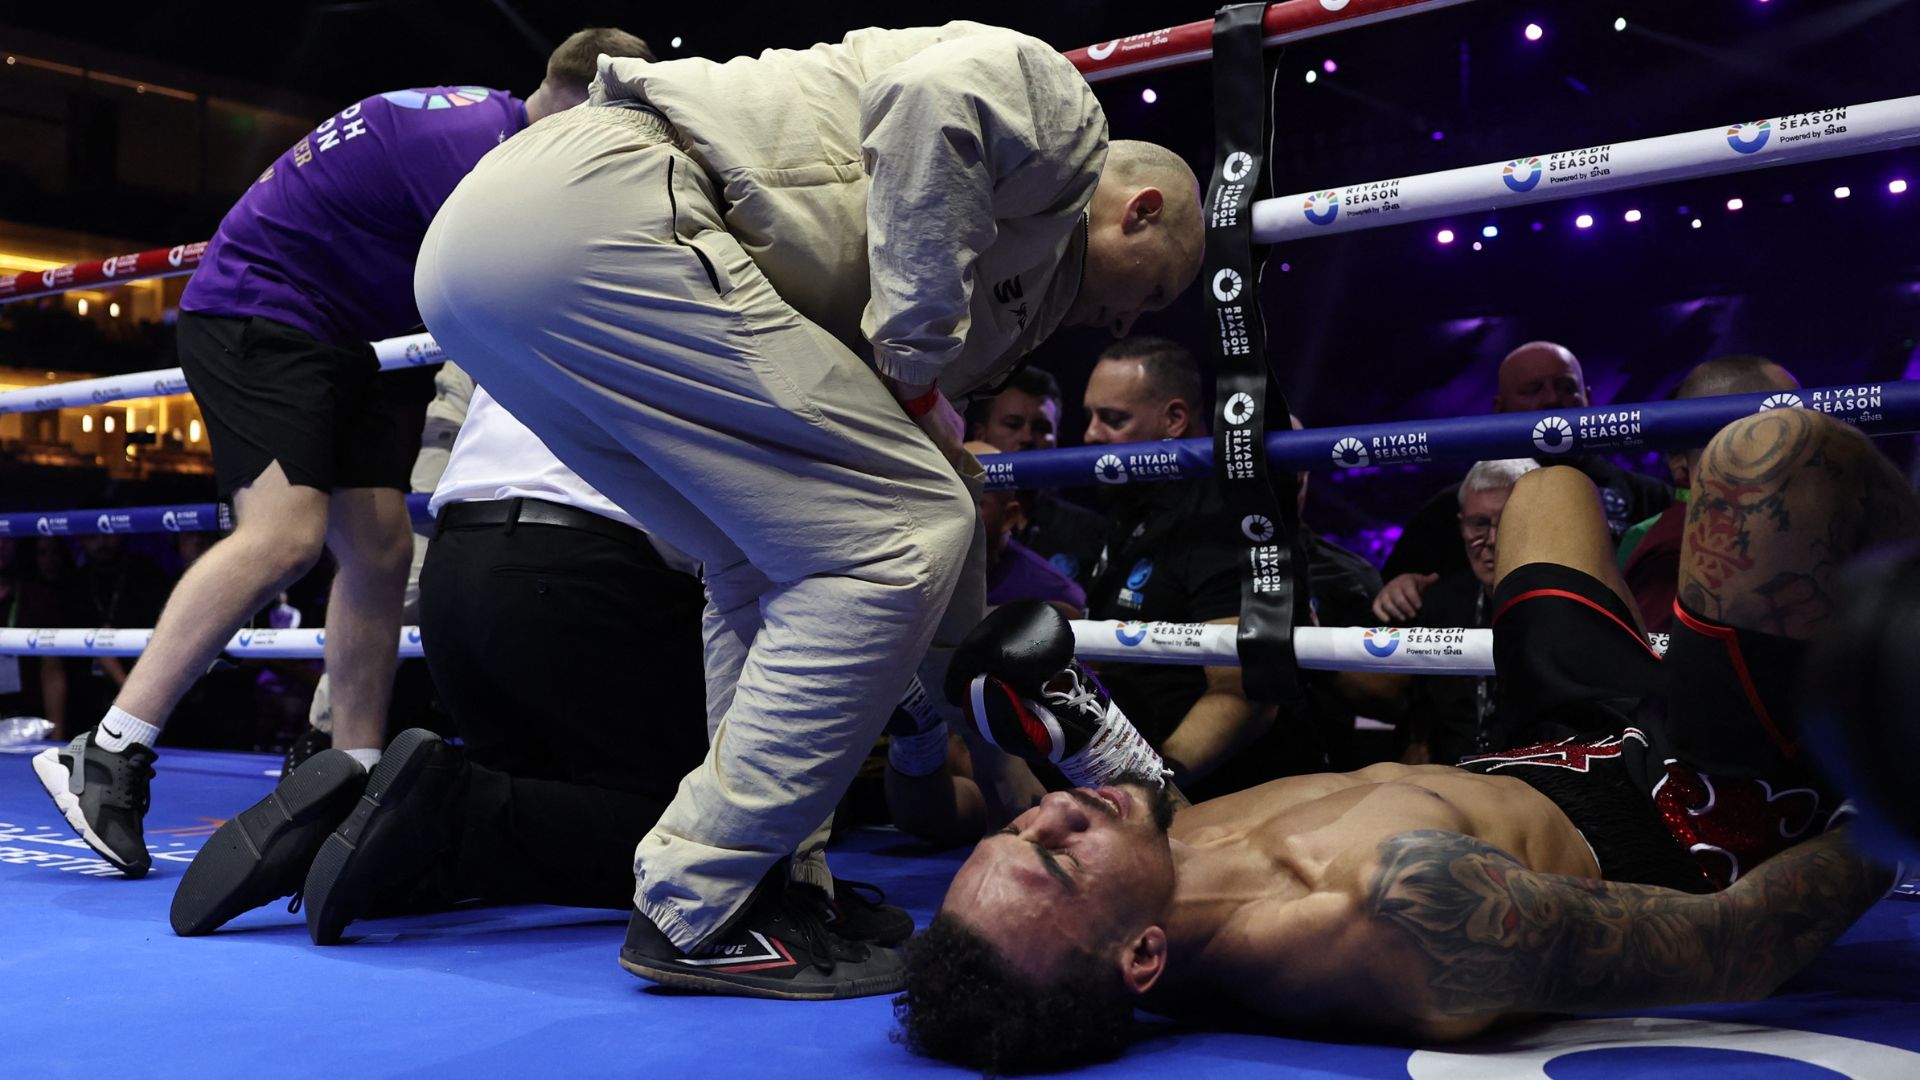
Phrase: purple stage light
[1149,96]
[1439,135]
[1897,187]
[1632,215]
[1533,32]
[1584,221]
[1329,66]
[1444,236]
[1736,203]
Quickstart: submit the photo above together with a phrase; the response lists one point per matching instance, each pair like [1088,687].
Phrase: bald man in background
[1537,375]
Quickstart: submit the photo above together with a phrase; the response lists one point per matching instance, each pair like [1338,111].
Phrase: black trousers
[571,664]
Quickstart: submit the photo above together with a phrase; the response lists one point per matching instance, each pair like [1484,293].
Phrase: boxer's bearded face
[1085,869]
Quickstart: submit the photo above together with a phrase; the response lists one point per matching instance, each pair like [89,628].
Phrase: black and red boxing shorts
[1722,764]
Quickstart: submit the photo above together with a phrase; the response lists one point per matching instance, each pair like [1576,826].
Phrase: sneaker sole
[55,777]
[399,767]
[213,889]
[750,986]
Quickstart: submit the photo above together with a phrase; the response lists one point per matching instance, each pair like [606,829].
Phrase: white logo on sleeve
[1257,528]
[1226,285]
[1239,164]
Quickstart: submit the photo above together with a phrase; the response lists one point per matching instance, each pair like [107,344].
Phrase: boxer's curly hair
[965,1004]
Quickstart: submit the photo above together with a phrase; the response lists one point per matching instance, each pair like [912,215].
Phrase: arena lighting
[1439,135]
[1538,226]
[1329,66]
[193,431]
[1477,245]
[1312,76]
[1897,187]
[1444,236]
[108,425]
[1632,215]
[1584,221]
[83,305]
[113,311]
[1149,96]
[1696,223]
[1286,268]
[1533,32]
[675,43]
[1736,203]
[1619,24]
[1490,231]
[86,422]
[1840,192]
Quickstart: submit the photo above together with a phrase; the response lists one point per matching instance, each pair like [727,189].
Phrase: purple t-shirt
[1024,575]
[326,239]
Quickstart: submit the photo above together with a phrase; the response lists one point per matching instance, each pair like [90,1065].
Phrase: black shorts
[1722,759]
[325,412]
[1601,785]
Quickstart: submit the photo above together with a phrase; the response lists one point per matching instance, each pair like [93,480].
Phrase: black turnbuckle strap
[1265,514]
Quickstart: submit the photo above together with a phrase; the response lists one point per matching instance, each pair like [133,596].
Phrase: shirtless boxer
[1430,902]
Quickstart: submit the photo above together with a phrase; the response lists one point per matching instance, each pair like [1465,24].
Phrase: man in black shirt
[1537,375]
[1171,557]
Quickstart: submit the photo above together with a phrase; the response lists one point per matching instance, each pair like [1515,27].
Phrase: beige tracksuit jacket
[937,216]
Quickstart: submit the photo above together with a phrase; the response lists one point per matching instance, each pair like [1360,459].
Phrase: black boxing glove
[1016,677]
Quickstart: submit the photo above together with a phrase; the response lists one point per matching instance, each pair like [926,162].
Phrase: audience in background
[1025,415]
[1537,375]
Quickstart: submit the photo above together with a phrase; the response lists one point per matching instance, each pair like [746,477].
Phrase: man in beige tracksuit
[686,288]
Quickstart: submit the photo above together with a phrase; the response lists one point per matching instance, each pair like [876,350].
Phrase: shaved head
[1145,239]
[1540,375]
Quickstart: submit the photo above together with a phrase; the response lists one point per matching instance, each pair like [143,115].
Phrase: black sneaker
[398,833]
[105,800]
[859,912]
[263,854]
[777,948]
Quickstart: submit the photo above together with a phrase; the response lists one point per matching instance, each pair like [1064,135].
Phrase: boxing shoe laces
[1074,724]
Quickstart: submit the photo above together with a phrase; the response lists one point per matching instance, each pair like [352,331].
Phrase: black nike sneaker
[104,795]
[777,948]
[263,854]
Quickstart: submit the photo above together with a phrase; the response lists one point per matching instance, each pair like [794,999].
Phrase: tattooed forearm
[1500,938]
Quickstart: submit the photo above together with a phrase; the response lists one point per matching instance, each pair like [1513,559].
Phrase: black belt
[511,512]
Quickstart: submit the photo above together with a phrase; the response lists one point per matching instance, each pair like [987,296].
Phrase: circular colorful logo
[1381,640]
[1321,209]
[451,98]
[1521,174]
[1130,633]
[1749,138]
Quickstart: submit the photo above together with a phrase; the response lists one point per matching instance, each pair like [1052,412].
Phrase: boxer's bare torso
[1270,901]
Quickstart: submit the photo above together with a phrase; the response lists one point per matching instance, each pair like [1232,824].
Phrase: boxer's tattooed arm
[1500,938]
[1780,500]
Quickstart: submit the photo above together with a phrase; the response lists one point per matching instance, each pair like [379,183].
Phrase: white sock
[120,729]
[367,758]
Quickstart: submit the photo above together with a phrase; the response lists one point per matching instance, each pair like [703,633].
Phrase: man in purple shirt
[312,444]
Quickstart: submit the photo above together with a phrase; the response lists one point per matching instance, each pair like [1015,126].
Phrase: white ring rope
[1394,650]
[1531,178]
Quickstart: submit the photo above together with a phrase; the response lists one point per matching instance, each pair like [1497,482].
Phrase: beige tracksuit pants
[581,273]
